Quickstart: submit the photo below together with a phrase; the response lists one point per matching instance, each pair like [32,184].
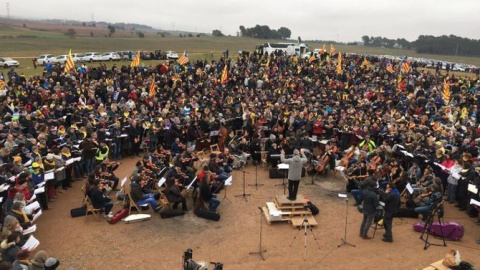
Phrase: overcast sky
[347,20]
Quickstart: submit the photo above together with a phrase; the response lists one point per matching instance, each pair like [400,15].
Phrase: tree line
[264,32]
[446,45]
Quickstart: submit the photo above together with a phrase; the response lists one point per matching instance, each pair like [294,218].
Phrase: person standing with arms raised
[294,171]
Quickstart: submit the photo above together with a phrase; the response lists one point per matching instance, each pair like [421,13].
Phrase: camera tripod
[304,225]
[429,223]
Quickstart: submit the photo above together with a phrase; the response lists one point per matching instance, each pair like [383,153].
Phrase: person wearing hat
[21,261]
[38,261]
[51,263]
[294,171]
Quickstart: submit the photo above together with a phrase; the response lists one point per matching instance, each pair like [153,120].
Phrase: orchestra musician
[174,194]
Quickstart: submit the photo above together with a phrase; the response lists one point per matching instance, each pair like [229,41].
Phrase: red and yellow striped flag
[136,60]
[339,64]
[69,64]
[184,59]
[153,88]
[365,62]
[446,92]
[323,49]
[332,49]
[389,68]
[224,77]
[311,58]
[2,84]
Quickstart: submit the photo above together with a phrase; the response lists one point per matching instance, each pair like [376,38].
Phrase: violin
[374,162]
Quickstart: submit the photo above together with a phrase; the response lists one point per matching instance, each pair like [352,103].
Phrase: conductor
[294,171]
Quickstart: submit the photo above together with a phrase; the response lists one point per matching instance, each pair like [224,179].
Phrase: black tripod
[344,239]
[244,195]
[256,179]
[304,225]
[260,250]
[428,226]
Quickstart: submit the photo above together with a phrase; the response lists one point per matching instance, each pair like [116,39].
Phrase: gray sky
[348,20]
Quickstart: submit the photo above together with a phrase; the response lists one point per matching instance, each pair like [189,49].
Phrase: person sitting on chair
[174,195]
[206,193]
[99,199]
[141,198]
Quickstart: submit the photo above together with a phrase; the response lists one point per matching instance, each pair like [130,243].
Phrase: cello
[346,159]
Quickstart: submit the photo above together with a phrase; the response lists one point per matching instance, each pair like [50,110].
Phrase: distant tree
[84,24]
[243,31]
[162,35]
[140,34]
[180,35]
[284,32]
[217,33]
[71,33]
[24,26]
[91,34]
[111,30]
[366,40]
[198,35]
[94,25]
[190,35]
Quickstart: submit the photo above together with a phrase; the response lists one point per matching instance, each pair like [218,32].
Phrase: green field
[24,49]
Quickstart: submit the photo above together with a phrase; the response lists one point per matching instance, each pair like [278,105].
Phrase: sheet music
[162,181]
[123,136]
[191,183]
[229,181]
[409,188]
[32,243]
[28,163]
[49,176]
[37,215]
[407,154]
[472,188]
[283,166]
[124,180]
[474,202]
[32,207]
[60,168]
[4,187]
[39,190]
[340,195]
[77,158]
[69,161]
[32,198]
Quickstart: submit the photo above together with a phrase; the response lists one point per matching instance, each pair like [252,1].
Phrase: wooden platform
[283,209]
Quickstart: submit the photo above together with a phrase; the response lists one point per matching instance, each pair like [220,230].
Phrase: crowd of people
[379,124]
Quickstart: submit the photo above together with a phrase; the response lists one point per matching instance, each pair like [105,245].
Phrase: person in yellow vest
[367,145]
[102,153]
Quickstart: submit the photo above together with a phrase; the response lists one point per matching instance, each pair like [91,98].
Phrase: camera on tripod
[190,264]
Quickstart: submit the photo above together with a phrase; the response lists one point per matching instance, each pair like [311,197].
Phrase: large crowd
[372,120]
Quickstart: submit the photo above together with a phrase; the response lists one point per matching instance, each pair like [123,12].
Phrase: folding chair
[215,149]
[95,211]
[165,204]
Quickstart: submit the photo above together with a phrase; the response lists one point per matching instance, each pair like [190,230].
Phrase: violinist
[242,152]
[176,147]
[227,159]
[367,145]
[174,195]
[356,173]
[274,150]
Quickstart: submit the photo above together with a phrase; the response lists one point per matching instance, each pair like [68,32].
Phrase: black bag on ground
[171,213]
[78,212]
[206,214]
[313,208]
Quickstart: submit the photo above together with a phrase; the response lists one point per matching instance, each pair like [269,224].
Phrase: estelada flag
[224,77]
[153,88]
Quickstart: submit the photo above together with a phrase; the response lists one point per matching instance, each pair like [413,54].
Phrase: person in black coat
[174,195]
[11,247]
[370,204]
[99,200]
[391,199]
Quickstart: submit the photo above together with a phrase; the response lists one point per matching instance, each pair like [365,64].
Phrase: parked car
[77,57]
[171,55]
[60,59]
[125,55]
[7,62]
[110,56]
[44,58]
[91,56]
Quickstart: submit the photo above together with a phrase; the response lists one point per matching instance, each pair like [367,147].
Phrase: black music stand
[344,239]
[285,168]
[260,249]
[256,179]
[244,195]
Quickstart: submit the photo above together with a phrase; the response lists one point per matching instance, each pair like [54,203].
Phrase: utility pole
[8,10]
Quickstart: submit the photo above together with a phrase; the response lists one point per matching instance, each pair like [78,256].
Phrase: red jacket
[318,127]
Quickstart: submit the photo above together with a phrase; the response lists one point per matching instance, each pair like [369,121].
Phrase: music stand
[284,167]
[244,195]
[256,179]
[227,182]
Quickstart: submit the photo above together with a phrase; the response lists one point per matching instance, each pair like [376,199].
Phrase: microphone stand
[260,250]
[344,239]
[244,195]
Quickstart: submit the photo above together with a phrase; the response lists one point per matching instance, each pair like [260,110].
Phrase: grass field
[54,41]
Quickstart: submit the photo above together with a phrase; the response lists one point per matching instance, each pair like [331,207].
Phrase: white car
[110,56]
[60,59]
[7,62]
[77,57]
[44,59]
[91,56]
[171,55]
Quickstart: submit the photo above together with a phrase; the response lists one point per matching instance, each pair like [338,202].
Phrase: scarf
[22,214]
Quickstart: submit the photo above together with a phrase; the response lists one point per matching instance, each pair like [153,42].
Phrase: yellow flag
[464,113]
[339,64]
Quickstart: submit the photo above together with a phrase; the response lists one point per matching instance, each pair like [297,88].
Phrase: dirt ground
[83,243]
